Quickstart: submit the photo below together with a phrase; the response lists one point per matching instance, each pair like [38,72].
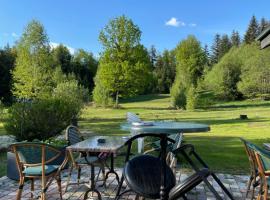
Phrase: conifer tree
[225,45]
[252,31]
[235,39]
[215,48]
[264,24]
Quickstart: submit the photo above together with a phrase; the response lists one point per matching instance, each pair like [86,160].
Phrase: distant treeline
[232,68]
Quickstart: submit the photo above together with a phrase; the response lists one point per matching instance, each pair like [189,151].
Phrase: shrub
[101,96]
[178,96]
[192,98]
[40,119]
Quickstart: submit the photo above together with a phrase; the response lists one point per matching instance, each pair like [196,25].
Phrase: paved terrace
[8,188]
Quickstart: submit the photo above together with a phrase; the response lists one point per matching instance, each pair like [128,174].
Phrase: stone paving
[236,184]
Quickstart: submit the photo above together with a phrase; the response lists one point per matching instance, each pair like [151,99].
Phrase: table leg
[92,185]
[163,145]
[111,171]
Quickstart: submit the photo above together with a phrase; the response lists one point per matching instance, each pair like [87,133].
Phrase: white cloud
[192,25]
[14,35]
[54,45]
[175,22]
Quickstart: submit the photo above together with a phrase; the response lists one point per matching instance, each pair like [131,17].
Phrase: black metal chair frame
[163,143]
[187,156]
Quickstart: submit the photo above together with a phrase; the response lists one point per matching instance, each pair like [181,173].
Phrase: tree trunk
[116,99]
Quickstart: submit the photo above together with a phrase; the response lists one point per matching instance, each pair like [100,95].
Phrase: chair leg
[249,184]
[32,188]
[19,193]
[119,188]
[265,194]
[58,180]
[69,176]
[79,175]
[43,188]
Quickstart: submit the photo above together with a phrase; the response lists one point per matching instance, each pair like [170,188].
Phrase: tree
[124,67]
[225,45]
[7,61]
[215,48]
[225,76]
[191,60]
[34,65]
[153,55]
[84,66]
[252,31]
[165,71]
[62,58]
[263,25]
[235,39]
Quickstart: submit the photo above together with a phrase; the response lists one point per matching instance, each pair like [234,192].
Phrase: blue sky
[77,23]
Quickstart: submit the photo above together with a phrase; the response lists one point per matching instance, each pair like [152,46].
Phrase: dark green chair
[33,162]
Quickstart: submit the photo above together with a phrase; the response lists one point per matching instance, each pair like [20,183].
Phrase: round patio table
[163,129]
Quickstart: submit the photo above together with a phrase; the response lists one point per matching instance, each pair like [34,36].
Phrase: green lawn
[221,147]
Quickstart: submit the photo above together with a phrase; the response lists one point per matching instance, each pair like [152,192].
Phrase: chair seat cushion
[143,175]
[90,159]
[37,170]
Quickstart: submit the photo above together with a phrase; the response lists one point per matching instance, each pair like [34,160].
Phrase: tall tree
[264,24]
[215,50]
[165,71]
[124,67]
[34,66]
[225,45]
[84,66]
[191,61]
[7,61]
[153,55]
[235,39]
[252,31]
[62,58]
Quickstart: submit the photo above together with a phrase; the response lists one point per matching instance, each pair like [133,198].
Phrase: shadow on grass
[223,154]
[253,105]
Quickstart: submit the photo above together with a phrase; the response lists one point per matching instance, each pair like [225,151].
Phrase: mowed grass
[220,148]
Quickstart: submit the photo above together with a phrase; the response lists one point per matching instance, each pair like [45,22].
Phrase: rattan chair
[73,136]
[253,181]
[33,162]
[263,161]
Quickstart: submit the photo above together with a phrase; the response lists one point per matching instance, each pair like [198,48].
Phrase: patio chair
[142,175]
[73,136]
[171,158]
[33,162]
[263,161]
[192,157]
[254,176]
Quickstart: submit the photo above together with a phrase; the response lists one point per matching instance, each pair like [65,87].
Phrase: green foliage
[191,61]
[165,71]
[232,75]
[124,67]
[84,66]
[235,38]
[44,118]
[62,57]
[192,98]
[178,95]
[7,60]
[255,78]
[253,31]
[34,64]
[101,96]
